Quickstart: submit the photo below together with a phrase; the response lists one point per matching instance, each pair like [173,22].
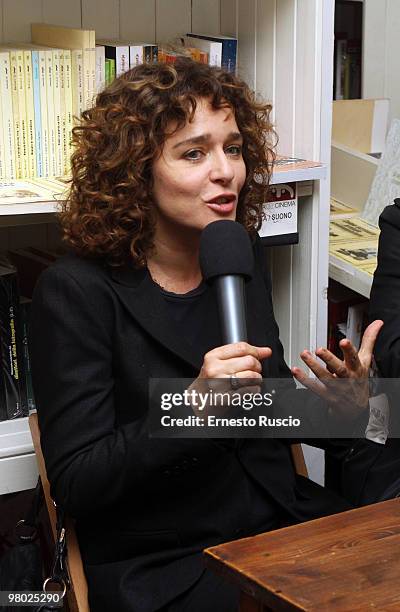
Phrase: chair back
[298,460]
[77,595]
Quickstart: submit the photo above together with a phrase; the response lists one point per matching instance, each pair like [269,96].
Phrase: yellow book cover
[16,115]
[72,38]
[2,152]
[350,230]
[361,255]
[43,111]
[22,113]
[77,82]
[50,113]
[61,36]
[338,210]
[57,111]
[68,109]
[30,112]
[7,115]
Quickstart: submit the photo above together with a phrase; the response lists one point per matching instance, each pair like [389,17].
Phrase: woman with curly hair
[165,151]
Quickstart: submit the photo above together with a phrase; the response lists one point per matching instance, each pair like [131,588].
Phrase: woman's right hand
[240,360]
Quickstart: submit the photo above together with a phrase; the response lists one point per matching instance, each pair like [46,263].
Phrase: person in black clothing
[164,151]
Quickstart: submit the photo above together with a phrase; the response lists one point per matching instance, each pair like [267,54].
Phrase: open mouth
[222,205]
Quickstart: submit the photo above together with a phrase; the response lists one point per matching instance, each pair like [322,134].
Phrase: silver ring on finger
[235,383]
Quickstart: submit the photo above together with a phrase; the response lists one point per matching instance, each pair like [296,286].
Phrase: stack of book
[19,270]
[47,83]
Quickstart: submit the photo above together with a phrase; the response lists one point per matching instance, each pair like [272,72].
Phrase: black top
[196,313]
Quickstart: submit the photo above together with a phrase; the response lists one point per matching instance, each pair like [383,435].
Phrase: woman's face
[200,172]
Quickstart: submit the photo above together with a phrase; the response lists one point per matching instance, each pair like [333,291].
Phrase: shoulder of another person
[391,214]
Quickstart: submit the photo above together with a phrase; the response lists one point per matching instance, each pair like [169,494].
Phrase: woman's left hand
[350,397]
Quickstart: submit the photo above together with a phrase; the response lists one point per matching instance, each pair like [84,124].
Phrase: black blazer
[145,508]
[385,293]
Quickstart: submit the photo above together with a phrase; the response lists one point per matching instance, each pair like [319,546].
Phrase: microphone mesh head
[225,248]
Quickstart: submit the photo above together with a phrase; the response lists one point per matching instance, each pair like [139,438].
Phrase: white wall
[381,51]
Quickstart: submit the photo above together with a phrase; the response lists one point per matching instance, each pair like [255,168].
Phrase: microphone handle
[232,310]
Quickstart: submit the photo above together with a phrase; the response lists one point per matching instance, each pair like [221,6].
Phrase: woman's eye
[193,155]
[234,150]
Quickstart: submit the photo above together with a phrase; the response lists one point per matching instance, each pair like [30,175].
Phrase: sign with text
[281,211]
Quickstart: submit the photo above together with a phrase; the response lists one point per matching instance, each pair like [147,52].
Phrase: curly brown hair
[109,210]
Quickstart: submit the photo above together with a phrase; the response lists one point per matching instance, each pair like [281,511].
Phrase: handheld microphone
[226,262]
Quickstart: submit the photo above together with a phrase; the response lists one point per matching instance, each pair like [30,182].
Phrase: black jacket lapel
[144,301]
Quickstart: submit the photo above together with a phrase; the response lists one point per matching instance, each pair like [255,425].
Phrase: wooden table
[348,561]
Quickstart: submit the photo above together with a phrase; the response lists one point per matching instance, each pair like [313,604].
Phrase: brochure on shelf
[338,210]
[350,230]
[360,254]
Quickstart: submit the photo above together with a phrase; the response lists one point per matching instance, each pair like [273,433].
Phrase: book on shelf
[338,210]
[19,115]
[361,255]
[212,48]
[228,48]
[288,164]
[361,124]
[100,67]
[341,72]
[11,348]
[25,305]
[349,230]
[7,118]
[31,190]
[82,43]
[117,51]
[344,309]
[357,321]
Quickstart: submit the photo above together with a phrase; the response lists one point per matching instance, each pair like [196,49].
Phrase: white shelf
[279,177]
[351,277]
[18,469]
[28,208]
[296,176]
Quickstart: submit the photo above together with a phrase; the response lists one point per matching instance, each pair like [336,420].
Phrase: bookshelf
[285,50]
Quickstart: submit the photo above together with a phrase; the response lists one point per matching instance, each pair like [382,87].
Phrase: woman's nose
[221,168]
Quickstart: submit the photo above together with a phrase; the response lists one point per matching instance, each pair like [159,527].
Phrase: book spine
[100,68]
[7,115]
[2,151]
[57,112]
[10,345]
[112,70]
[147,54]
[86,78]
[135,55]
[121,60]
[30,399]
[68,109]
[16,114]
[77,82]
[154,54]
[107,71]
[63,113]
[22,113]
[3,401]
[37,112]
[50,113]
[43,113]
[229,50]
[93,91]
[30,113]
